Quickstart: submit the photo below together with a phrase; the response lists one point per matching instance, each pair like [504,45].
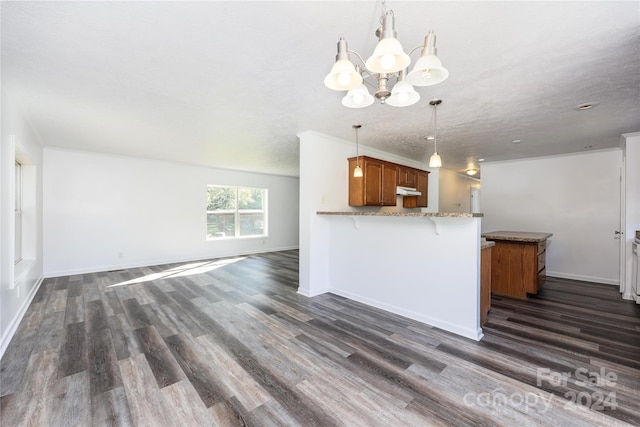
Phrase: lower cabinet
[517,268]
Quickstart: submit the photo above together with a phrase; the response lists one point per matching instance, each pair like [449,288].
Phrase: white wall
[104,212]
[18,284]
[455,191]
[575,197]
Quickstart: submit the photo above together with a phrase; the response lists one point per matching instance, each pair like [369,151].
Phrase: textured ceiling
[230,84]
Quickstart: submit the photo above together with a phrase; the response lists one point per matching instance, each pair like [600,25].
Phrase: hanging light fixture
[387,63]
[435,161]
[357,171]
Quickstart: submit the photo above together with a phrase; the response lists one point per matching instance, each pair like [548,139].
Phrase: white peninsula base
[425,266]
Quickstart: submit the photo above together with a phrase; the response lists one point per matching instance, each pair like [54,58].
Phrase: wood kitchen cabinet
[518,262]
[422,185]
[377,186]
[407,177]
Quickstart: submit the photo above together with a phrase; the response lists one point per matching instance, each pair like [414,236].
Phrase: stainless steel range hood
[407,191]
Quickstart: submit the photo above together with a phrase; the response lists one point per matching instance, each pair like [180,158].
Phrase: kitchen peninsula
[422,265]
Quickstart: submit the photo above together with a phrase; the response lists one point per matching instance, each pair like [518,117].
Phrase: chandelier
[387,64]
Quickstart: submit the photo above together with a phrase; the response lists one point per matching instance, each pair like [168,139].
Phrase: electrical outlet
[120,254]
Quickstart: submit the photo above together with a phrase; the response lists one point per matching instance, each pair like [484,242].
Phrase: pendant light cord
[435,128]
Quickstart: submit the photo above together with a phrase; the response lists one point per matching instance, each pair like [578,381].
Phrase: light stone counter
[484,244]
[416,214]
[517,236]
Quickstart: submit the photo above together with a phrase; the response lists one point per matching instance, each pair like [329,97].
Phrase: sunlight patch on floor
[190,269]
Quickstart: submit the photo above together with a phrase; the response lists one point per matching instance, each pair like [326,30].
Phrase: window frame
[238,212]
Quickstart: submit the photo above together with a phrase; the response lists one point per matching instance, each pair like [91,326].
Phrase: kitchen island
[518,262]
[425,266]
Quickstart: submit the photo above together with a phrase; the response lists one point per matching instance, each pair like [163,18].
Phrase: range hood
[407,191]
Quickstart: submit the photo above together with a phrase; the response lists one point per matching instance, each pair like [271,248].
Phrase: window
[18,215]
[236,212]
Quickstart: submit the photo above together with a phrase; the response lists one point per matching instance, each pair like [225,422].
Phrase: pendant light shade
[435,161]
[428,69]
[358,98]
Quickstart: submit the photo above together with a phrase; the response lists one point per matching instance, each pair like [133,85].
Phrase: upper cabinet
[377,186]
[407,177]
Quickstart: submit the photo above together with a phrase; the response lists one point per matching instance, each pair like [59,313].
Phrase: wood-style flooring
[229,342]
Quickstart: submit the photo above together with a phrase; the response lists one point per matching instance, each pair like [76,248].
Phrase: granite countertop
[485,244]
[418,214]
[517,236]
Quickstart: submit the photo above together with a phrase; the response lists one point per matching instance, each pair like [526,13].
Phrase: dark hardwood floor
[230,342]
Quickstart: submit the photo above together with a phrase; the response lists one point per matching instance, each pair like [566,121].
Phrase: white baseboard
[15,322]
[584,278]
[474,334]
[308,294]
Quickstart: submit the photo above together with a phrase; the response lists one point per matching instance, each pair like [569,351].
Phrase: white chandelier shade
[358,97]
[343,76]
[428,70]
[403,95]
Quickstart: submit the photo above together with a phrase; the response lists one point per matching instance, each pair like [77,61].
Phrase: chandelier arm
[414,49]
[359,57]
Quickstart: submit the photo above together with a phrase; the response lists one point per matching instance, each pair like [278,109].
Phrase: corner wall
[576,197]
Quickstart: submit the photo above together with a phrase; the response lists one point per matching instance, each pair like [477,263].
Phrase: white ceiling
[230,84]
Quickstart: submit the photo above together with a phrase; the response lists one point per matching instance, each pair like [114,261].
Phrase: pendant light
[435,161]
[357,171]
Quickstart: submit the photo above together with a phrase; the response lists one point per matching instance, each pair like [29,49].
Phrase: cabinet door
[356,184]
[412,177]
[422,185]
[402,176]
[389,184]
[372,183]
